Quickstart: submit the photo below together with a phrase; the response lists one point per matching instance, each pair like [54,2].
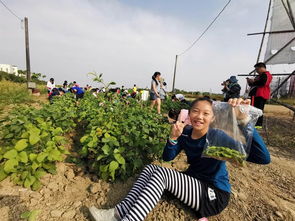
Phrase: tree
[98,78]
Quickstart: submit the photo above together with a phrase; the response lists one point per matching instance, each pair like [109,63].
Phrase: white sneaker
[102,214]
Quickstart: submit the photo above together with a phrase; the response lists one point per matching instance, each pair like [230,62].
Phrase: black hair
[54,90]
[173,114]
[260,65]
[135,85]
[173,96]
[164,83]
[74,82]
[51,79]
[205,98]
[154,77]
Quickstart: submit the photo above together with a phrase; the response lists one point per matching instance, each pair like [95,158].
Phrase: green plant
[30,215]
[225,153]
[176,105]
[98,79]
[34,151]
[120,138]
[32,141]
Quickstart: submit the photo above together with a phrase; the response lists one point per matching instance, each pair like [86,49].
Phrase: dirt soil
[258,192]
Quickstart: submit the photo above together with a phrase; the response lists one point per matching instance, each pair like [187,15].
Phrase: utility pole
[175,66]
[28,65]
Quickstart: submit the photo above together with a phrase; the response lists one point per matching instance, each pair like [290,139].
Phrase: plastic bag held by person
[230,134]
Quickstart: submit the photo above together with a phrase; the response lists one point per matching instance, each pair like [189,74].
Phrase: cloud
[128,44]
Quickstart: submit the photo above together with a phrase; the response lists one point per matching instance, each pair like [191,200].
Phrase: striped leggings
[149,187]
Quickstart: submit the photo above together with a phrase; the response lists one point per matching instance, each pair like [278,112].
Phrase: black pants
[259,103]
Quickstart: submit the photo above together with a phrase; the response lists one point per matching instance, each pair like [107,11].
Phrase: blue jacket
[79,90]
[210,170]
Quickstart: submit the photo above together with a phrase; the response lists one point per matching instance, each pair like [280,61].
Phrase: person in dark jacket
[231,89]
[204,186]
[260,89]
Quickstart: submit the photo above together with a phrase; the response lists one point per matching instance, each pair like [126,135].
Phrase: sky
[128,40]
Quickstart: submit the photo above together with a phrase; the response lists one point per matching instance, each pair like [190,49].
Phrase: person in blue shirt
[204,186]
[79,92]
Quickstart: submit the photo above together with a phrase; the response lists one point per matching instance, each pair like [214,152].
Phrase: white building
[10,69]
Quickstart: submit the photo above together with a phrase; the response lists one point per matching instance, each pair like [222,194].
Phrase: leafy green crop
[120,136]
[117,137]
[225,153]
[32,141]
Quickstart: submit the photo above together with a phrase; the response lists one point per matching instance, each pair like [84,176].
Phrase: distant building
[10,69]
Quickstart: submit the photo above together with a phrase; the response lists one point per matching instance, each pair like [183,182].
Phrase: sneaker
[102,214]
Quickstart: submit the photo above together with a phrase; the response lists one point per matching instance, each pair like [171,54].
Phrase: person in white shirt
[50,85]
[178,97]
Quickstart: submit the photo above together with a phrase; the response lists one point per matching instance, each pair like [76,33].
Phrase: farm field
[70,140]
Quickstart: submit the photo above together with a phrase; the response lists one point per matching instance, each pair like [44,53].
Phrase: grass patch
[13,93]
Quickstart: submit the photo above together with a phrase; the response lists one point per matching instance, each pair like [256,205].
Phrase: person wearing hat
[232,89]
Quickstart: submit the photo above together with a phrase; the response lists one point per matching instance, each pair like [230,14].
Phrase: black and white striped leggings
[149,187]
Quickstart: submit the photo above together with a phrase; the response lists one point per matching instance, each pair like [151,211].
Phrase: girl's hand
[238,101]
[235,102]
[176,130]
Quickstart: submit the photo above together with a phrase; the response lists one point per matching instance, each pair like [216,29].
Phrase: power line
[209,26]
[10,10]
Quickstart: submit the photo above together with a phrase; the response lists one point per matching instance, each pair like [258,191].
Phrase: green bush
[32,141]
[120,136]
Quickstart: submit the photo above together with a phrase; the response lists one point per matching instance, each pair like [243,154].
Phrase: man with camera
[231,88]
[260,89]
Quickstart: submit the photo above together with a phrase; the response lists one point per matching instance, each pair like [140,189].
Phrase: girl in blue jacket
[204,186]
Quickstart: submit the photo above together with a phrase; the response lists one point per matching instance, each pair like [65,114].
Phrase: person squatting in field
[204,186]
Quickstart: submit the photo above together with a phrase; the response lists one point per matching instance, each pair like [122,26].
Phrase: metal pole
[262,41]
[272,32]
[278,86]
[291,13]
[265,27]
[285,74]
[28,65]
[174,76]
[288,13]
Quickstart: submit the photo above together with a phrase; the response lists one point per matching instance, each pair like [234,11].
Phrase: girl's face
[201,115]
[158,77]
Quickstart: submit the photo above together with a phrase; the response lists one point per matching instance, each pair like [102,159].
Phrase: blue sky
[128,40]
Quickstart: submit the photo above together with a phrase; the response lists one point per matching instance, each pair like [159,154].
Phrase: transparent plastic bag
[230,135]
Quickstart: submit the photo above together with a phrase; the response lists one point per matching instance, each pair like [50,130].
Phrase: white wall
[10,69]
